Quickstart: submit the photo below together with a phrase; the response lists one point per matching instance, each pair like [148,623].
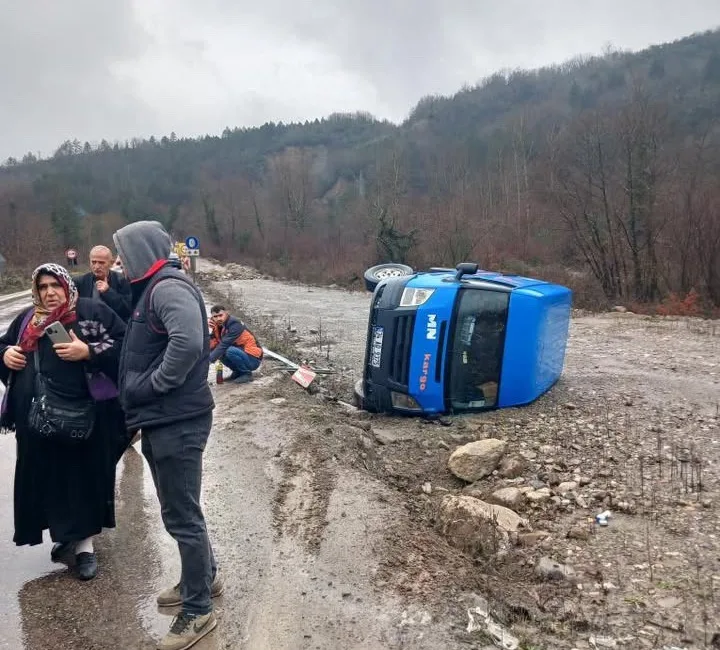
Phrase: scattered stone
[277,401]
[549,569]
[476,459]
[470,508]
[427,487]
[551,478]
[532,538]
[510,497]
[565,487]
[547,450]
[570,406]
[579,532]
[539,496]
[446,421]
[625,506]
[619,309]
[392,436]
[512,467]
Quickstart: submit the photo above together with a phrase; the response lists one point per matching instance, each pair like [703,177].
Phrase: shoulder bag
[57,418]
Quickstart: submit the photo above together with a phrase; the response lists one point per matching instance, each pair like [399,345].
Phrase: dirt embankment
[633,428]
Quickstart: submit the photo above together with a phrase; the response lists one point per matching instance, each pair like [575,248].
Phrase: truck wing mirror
[466,268]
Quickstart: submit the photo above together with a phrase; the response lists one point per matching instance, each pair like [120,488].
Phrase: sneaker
[243,378]
[233,375]
[187,629]
[86,566]
[171,596]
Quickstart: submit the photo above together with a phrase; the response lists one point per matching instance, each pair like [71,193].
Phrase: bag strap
[24,324]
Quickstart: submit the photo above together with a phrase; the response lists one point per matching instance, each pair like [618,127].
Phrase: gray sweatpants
[174,453]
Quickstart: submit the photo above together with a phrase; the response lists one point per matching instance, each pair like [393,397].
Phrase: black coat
[68,489]
[118,297]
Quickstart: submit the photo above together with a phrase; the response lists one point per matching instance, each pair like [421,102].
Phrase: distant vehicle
[456,340]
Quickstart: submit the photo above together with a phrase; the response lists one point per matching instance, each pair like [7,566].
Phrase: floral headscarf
[42,317]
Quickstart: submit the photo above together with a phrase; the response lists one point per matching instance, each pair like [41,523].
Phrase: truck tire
[375,274]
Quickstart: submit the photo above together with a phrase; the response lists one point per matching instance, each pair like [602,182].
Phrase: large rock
[476,459]
[476,526]
[509,497]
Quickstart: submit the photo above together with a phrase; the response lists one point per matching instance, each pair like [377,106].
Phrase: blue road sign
[192,243]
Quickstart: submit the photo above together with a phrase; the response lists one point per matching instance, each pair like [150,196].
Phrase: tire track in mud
[300,507]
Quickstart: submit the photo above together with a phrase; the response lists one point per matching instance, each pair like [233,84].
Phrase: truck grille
[400,352]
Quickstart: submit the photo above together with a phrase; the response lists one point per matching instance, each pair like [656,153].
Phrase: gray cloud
[114,69]
[56,78]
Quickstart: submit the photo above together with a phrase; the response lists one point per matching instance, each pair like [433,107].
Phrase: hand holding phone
[57,333]
[67,346]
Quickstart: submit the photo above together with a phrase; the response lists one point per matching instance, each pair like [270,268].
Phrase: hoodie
[144,248]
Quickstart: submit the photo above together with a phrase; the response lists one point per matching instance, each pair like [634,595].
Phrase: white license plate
[376,347]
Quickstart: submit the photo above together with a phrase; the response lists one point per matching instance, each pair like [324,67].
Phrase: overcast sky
[114,69]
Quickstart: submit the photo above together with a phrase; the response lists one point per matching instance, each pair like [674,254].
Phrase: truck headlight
[414,297]
[405,402]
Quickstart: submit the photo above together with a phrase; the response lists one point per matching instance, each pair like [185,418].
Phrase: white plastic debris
[602,518]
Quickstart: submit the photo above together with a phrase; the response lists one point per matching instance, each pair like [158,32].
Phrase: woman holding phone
[65,349]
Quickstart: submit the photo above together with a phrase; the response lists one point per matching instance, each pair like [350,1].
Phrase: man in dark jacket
[164,391]
[103,283]
[234,344]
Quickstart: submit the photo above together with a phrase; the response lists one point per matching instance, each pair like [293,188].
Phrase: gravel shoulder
[631,428]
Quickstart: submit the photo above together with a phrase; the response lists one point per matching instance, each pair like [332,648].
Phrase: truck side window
[477,346]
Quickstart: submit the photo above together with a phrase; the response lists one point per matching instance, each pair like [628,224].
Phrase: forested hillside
[600,172]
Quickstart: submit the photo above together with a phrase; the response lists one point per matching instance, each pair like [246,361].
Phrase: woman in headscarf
[66,488]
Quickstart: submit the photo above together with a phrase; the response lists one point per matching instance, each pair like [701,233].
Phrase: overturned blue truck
[458,340]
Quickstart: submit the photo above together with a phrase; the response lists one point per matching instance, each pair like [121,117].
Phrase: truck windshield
[476,348]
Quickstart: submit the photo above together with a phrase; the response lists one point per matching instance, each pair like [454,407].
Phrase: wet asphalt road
[41,606]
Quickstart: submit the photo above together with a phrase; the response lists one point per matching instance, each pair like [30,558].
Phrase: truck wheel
[375,274]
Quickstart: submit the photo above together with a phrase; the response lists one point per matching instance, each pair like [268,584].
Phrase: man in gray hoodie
[164,391]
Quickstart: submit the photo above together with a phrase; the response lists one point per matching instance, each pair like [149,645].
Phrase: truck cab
[448,341]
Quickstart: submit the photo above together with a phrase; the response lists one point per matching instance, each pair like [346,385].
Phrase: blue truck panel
[427,367]
[535,342]
[442,341]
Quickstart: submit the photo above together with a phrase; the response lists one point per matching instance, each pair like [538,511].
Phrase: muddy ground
[326,520]
[632,427]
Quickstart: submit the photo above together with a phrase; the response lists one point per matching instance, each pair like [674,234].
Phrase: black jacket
[118,297]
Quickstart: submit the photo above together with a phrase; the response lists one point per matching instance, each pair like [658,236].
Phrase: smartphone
[57,333]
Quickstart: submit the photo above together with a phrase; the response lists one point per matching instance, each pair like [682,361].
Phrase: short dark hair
[216,309]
